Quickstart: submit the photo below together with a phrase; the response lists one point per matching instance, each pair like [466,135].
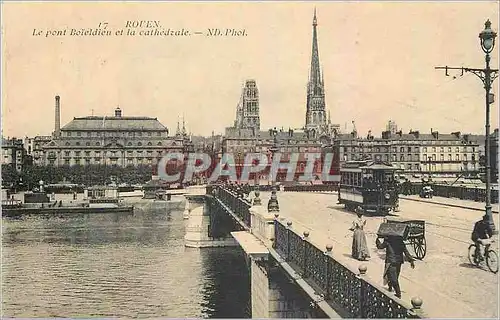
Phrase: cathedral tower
[315,114]
[247,112]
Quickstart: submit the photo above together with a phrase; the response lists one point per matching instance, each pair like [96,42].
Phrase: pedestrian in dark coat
[395,252]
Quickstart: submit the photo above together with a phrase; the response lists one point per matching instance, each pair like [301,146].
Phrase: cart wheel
[410,247]
[420,248]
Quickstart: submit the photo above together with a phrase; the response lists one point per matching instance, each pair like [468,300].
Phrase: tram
[370,185]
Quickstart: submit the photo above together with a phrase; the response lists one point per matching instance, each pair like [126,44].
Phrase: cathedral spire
[178,131]
[183,126]
[315,111]
[315,77]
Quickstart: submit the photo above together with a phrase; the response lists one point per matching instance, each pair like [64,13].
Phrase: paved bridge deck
[448,285]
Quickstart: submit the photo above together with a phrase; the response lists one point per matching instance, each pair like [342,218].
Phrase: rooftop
[96,123]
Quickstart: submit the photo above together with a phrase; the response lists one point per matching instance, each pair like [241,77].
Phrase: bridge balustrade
[448,191]
[236,203]
[311,188]
[339,285]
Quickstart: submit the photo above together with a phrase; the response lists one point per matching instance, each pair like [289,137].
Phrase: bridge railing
[340,286]
[311,188]
[236,203]
[447,191]
[262,224]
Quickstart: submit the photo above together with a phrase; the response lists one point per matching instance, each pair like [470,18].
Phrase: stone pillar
[262,224]
[259,290]
[187,209]
[198,224]
[274,295]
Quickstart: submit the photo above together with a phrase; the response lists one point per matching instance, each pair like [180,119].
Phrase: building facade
[247,111]
[13,153]
[415,152]
[107,140]
[494,156]
[35,148]
[289,142]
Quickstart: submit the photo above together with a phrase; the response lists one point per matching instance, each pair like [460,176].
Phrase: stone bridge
[292,276]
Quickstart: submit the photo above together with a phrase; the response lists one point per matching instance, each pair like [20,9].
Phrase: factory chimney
[57,131]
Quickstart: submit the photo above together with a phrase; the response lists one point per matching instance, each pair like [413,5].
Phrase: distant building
[36,150]
[107,140]
[481,141]
[244,137]
[415,152]
[13,153]
[288,142]
[247,111]
[494,156]
[391,127]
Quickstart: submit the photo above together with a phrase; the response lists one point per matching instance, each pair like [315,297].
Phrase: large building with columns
[108,140]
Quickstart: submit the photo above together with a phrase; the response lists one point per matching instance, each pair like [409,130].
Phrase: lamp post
[272,205]
[487,76]
[487,37]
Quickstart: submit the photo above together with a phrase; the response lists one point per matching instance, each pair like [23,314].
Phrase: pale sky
[378,60]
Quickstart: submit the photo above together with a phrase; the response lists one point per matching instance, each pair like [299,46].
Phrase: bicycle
[491,257]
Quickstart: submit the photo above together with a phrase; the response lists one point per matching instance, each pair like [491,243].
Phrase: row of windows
[407,149]
[99,161]
[250,142]
[449,158]
[282,150]
[251,106]
[250,121]
[415,157]
[112,134]
[358,179]
[113,153]
[110,158]
[251,93]
[404,142]
[78,143]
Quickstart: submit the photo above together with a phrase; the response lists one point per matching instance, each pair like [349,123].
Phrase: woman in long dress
[359,246]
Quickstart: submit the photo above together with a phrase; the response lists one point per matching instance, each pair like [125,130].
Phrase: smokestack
[57,131]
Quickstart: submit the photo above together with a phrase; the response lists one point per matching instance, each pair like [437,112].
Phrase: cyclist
[482,231]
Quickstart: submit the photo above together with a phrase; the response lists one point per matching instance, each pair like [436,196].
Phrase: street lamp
[487,37]
[272,205]
[487,76]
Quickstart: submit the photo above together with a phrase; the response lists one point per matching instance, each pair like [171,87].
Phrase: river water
[115,265]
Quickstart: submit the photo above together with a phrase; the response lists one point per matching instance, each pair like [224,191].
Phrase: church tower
[315,114]
[247,112]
